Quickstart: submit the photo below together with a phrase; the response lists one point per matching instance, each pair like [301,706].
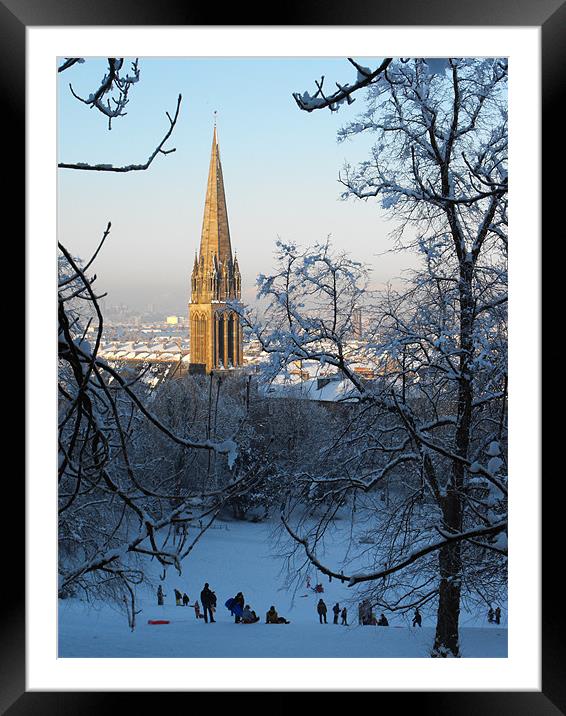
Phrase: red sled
[158,621]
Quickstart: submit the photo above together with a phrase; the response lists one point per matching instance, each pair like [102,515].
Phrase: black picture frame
[15,17]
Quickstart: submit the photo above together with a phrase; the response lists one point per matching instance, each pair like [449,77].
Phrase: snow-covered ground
[239,557]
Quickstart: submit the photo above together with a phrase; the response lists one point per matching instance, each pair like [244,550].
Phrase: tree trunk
[450,559]
[446,641]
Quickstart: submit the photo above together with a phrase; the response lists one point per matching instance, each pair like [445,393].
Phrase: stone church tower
[215,330]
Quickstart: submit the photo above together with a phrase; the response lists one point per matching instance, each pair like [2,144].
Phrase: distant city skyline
[280,166]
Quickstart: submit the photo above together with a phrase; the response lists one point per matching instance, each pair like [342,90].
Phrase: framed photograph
[345,455]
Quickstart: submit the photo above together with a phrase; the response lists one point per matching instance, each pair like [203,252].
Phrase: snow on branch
[112,82]
[354,579]
[320,100]
[226,447]
[132,167]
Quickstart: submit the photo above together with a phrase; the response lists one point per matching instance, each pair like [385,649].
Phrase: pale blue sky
[280,171]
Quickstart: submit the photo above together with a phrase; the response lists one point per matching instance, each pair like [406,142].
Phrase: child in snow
[344,616]
[382,620]
[178,597]
[197,609]
[186,600]
[249,616]
[273,618]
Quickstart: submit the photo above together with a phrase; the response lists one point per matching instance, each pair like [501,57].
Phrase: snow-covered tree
[116,511]
[434,423]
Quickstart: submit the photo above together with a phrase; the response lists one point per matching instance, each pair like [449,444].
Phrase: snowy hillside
[238,556]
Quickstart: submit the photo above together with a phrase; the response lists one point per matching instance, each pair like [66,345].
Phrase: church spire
[216,333]
[215,235]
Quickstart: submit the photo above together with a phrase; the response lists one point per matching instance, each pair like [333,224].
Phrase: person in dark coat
[321,609]
[239,600]
[490,615]
[178,597]
[160,595]
[417,618]
[344,616]
[336,610]
[208,601]
[382,620]
[498,616]
[186,600]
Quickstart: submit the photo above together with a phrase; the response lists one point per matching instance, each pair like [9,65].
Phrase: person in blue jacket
[236,607]
[239,603]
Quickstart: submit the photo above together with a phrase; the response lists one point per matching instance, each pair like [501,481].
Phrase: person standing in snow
[498,616]
[197,609]
[344,616]
[417,618]
[160,596]
[382,620]
[336,610]
[208,600]
[321,609]
[186,600]
[490,615]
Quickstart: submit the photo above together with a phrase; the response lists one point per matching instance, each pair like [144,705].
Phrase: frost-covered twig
[319,100]
[132,167]
[112,81]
